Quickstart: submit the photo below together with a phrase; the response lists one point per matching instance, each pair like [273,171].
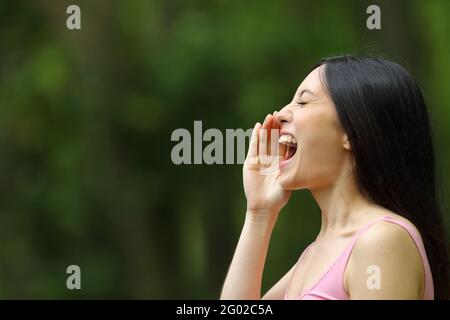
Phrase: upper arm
[278,290]
[387,256]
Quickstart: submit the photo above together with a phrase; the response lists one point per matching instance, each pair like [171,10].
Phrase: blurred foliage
[86,118]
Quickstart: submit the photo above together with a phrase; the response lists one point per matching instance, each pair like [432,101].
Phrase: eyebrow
[308,91]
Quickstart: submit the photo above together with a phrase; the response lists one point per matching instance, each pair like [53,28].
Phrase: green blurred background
[86,118]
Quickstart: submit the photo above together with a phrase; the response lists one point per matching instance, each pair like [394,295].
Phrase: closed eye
[302,103]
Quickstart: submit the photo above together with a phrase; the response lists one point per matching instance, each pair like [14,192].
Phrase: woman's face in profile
[322,148]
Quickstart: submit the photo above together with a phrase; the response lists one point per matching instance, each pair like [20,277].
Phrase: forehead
[312,82]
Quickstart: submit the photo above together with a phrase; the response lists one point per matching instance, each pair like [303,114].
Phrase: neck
[342,206]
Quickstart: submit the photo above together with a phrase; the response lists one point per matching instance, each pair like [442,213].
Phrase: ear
[346,143]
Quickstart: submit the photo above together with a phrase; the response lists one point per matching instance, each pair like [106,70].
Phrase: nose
[284,115]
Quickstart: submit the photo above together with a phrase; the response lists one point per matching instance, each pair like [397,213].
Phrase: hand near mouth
[261,172]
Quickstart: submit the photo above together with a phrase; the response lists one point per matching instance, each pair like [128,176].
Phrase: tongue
[290,152]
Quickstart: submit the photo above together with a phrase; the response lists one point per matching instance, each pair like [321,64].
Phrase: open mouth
[288,146]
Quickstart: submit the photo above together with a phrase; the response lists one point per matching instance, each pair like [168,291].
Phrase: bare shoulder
[389,250]
[385,235]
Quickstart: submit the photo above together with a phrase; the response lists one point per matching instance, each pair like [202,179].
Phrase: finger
[275,124]
[274,138]
[253,145]
[269,135]
[262,137]
[280,149]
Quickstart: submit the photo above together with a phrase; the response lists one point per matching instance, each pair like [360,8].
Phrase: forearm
[244,276]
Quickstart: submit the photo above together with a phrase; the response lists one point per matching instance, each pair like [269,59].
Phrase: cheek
[321,145]
[319,132]
[319,154]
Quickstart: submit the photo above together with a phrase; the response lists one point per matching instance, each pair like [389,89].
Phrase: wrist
[262,216]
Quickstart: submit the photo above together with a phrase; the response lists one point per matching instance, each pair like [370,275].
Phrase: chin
[288,182]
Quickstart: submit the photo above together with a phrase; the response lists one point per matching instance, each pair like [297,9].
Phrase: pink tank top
[331,287]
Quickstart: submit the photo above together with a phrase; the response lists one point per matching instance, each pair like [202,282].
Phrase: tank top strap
[358,234]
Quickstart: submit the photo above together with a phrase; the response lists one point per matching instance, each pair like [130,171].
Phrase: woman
[357,135]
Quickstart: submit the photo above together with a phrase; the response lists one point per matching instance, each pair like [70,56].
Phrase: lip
[283,132]
[284,163]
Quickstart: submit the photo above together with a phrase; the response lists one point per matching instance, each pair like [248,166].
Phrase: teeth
[287,139]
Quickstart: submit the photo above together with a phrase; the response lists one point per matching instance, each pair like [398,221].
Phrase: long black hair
[383,112]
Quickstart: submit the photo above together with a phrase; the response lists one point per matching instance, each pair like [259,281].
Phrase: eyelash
[301,103]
